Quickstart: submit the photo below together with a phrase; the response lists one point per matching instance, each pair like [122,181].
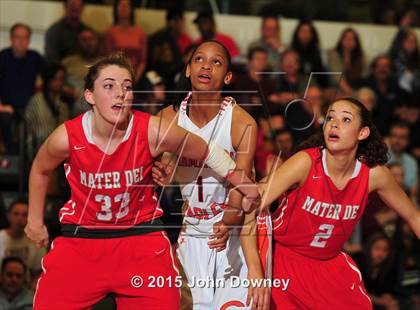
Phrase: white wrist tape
[219,161]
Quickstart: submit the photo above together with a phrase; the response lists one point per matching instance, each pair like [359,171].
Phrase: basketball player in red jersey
[329,181]
[112,239]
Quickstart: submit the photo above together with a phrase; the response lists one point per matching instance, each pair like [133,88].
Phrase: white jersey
[202,189]
[205,194]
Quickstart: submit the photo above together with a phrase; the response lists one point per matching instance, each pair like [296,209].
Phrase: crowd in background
[40,92]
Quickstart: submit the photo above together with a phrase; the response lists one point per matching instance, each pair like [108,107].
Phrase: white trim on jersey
[172,257]
[356,170]
[280,217]
[87,127]
[44,270]
[360,276]
[66,210]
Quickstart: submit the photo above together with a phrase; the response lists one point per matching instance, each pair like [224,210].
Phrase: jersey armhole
[66,127]
[309,172]
[147,124]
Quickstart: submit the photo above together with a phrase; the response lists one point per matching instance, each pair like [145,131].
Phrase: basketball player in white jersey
[214,268]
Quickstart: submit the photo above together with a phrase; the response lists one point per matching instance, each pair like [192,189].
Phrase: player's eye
[108,86]
[328,118]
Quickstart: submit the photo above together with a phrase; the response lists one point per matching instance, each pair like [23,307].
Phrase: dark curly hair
[372,151]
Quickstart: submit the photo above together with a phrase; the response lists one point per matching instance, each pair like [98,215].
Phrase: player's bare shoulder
[169,113]
[243,126]
[242,116]
[379,176]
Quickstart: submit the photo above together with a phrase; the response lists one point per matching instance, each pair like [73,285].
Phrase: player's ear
[188,71]
[89,96]
[364,133]
[228,78]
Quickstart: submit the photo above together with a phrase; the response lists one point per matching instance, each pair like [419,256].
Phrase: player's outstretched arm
[292,171]
[168,137]
[382,181]
[52,152]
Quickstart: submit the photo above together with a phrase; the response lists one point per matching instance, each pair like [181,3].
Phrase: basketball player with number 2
[327,186]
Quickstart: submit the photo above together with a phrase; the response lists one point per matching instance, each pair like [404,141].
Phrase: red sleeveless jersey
[109,191]
[316,219]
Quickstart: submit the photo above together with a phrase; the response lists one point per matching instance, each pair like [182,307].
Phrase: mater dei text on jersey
[111,179]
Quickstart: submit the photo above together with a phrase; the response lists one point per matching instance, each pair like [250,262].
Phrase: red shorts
[139,270]
[317,284]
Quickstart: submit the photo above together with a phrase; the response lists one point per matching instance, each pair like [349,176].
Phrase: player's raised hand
[162,174]
[38,233]
[220,236]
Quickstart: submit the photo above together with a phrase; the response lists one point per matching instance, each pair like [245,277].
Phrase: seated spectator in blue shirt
[19,68]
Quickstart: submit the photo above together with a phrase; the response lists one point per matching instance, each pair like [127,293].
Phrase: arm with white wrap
[221,163]
[166,137]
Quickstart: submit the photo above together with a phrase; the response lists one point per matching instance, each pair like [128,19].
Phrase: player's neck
[104,130]
[204,106]
[340,165]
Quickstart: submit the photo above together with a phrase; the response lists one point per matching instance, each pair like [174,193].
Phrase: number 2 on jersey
[320,239]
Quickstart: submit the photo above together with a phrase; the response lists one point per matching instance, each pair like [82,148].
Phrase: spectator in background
[290,83]
[125,36]
[409,113]
[378,216]
[207,27]
[167,46]
[283,149]
[77,65]
[347,57]
[366,96]
[46,110]
[316,98]
[410,18]
[383,83]
[405,57]
[13,294]
[256,81]
[14,242]
[185,60]
[398,140]
[155,98]
[378,272]
[305,42]
[291,86]
[408,262]
[61,37]
[267,129]
[270,40]
[19,69]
